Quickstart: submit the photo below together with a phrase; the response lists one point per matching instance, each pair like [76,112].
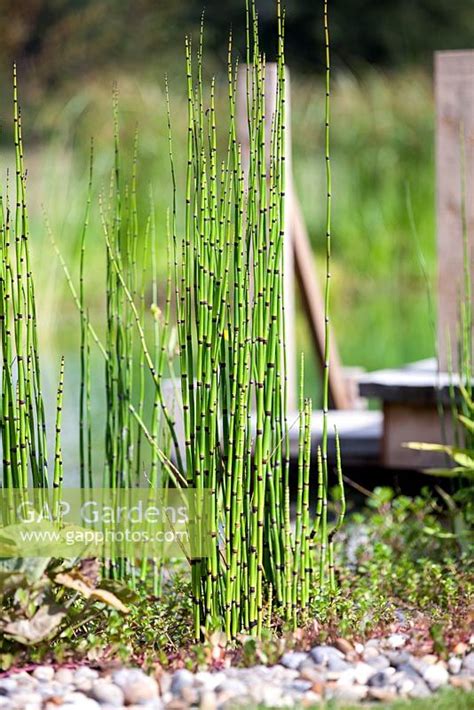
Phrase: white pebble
[396,641]
[436,676]
[43,673]
[454,665]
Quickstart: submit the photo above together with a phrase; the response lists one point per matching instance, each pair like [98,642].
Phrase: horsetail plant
[228,272]
[230,311]
[23,422]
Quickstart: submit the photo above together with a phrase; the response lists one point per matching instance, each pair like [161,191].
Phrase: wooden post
[454,85]
[340,394]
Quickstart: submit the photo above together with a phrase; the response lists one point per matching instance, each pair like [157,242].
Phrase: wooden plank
[413,422]
[454,88]
[408,385]
[360,434]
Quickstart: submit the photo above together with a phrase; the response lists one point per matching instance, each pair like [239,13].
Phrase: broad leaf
[38,628]
[79,584]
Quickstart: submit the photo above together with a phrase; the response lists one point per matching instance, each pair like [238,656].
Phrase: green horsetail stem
[340,517]
[322,514]
[58,474]
[85,444]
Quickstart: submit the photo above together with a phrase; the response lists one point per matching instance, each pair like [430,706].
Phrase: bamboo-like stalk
[58,474]
[324,445]
[340,518]
[85,448]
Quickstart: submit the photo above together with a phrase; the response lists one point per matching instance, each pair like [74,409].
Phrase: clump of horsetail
[230,310]
[128,360]
[22,421]
[228,275]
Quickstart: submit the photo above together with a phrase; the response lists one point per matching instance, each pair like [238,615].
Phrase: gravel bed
[380,670]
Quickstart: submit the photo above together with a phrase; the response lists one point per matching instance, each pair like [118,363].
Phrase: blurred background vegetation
[69,53]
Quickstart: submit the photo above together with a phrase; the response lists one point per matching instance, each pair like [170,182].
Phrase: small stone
[190,695]
[430,659]
[83,685]
[346,677]
[468,663]
[362,672]
[337,665]
[454,665]
[64,676]
[316,678]
[138,688]
[205,680]
[26,680]
[310,699]
[370,652]
[349,693]
[344,646]
[460,649]
[403,683]
[25,700]
[43,673]
[412,669]
[79,701]
[181,679]
[164,682]
[293,659]
[84,672]
[381,678]
[385,695]
[8,685]
[107,693]
[396,641]
[420,690]
[322,654]
[207,700]
[300,685]
[462,682]
[397,658]
[176,704]
[53,689]
[372,643]
[378,663]
[436,676]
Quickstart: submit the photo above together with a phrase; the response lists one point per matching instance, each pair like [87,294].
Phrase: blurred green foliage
[55,40]
[70,52]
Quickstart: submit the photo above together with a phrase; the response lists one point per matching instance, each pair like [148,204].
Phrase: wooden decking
[418,383]
[415,403]
[360,435]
